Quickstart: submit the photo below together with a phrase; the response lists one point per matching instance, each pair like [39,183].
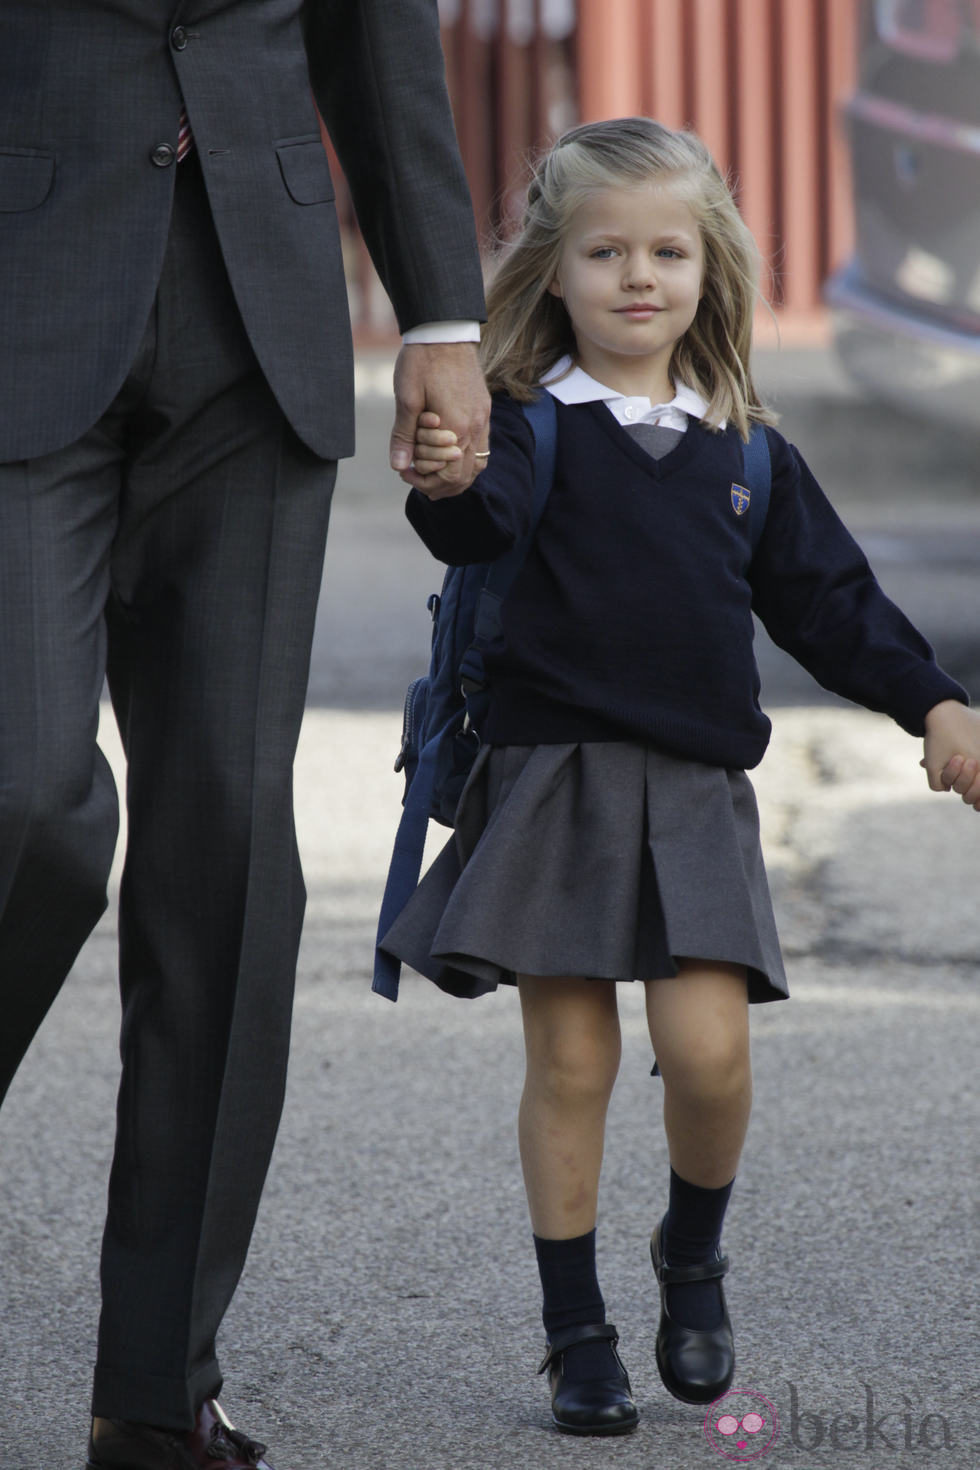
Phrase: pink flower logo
[741,1425]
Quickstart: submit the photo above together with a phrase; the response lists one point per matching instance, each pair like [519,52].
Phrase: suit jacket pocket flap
[305,170]
[25,179]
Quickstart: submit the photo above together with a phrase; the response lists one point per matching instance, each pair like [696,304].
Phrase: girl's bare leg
[572,1044]
[699,1027]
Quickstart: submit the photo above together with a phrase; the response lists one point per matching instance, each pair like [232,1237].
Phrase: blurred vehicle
[906,308]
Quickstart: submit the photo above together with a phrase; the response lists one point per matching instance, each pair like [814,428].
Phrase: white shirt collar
[578,387]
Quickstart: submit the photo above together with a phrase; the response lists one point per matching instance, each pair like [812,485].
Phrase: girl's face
[630,276]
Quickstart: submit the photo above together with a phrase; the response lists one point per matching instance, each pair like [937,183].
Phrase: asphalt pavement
[388,1317]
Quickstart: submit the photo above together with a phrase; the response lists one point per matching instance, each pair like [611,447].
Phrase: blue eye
[604,252]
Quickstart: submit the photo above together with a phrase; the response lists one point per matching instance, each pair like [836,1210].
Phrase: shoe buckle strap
[567,1337]
[681,1275]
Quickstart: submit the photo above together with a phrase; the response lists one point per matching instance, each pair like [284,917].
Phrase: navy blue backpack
[444,708]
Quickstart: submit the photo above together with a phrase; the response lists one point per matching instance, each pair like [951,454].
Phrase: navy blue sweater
[632,617]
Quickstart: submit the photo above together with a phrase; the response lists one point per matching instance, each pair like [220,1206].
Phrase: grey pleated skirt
[607,860]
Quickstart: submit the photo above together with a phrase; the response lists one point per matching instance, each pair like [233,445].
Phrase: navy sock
[691,1234]
[572,1297]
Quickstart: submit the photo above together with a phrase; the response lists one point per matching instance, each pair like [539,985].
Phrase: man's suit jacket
[90,97]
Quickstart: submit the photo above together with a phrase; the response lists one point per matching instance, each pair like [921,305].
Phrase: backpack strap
[758,476]
[543,418]
[405,864]
[406,857]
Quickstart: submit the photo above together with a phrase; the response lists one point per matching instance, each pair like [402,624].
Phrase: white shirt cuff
[442,332]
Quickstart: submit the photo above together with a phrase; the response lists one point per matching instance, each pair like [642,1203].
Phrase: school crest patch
[740,499]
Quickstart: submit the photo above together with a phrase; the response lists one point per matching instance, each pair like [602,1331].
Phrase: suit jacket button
[178,38]
[163,155]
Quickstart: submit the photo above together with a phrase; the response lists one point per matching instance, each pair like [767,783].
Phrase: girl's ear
[555,287]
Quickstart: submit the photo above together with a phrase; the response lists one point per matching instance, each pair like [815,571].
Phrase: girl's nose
[639,273]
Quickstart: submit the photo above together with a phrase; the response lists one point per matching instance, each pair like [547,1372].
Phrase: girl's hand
[434,448]
[952,750]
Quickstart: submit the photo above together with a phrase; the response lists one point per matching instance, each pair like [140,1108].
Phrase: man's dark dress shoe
[594,1405]
[213,1444]
[696,1365]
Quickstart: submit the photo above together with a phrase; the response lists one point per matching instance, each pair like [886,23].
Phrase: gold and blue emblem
[740,499]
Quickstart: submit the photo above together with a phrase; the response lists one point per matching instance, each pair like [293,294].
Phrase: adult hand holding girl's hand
[952,750]
[443,379]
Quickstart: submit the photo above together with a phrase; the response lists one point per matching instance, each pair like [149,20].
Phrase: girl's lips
[638,310]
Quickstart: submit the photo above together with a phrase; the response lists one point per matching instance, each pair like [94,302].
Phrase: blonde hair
[529,329]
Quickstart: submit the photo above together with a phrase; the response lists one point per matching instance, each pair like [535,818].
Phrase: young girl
[608,831]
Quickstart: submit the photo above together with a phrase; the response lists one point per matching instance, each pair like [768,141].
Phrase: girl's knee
[573,1049]
[699,1027]
[714,1068]
[576,1073]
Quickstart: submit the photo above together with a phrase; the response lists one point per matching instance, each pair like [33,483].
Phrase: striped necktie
[185,138]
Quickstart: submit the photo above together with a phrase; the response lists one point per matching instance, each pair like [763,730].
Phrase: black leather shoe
[697,1366]
[594,1405]
[116,1444]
